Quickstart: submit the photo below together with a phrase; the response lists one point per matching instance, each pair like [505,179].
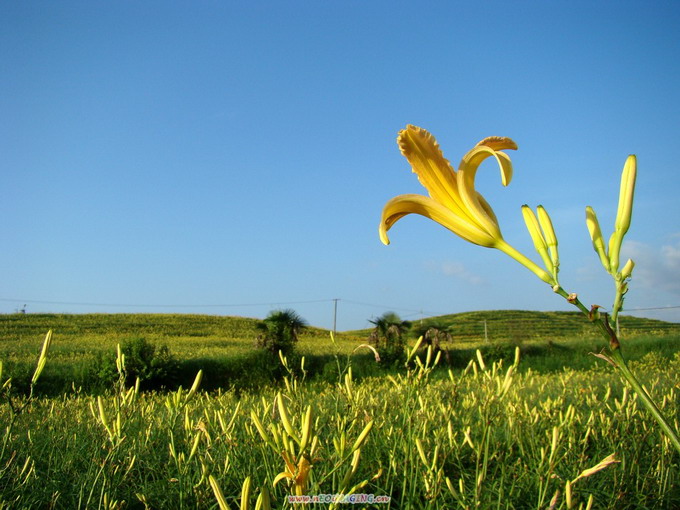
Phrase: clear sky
[233,158]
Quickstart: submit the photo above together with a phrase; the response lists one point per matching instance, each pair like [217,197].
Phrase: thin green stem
[618,299]
[651,406]
[526,262]
[617,359]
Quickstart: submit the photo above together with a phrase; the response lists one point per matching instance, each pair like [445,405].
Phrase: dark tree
[388,336]
[435,334]
[279,331]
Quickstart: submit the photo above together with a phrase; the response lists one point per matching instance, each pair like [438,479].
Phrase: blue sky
[234,157]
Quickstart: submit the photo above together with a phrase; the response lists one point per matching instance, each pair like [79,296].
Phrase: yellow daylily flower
[453,202]
[297,475]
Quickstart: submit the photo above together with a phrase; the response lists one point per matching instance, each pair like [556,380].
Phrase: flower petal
[487,208]
[434,171]
[304,466]
[466,180]
[402,205]
[498,143]
[280,477]
[289,464]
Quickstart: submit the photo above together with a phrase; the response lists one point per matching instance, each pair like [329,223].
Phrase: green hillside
[188,336]
[527,325]
[18,326]
[467,326]
[224,347]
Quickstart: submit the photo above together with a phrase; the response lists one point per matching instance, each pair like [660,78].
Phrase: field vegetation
[83,353]
[519,417]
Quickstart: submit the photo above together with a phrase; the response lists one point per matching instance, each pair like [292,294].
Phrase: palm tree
[279,331]
[388,335]
[434,334]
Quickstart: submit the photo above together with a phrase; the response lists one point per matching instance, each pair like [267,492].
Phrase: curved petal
[402,205]
[483,150]
[466,180]
[434,171]
[280,477]
[498,143]
[304,466]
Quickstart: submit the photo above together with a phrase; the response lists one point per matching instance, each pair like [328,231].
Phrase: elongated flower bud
[194,387]
[306,428]
[245,494]
[219,496]
[263,500]
[354,465]
[568,494]
[259,426]
[536,236]
[627,269]
[421,452]
[624,211]
[43,357]
[283,413]
[362,437]
[626,193]
[550,237]
[596,236]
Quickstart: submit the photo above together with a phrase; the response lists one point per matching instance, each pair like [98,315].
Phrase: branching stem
[617,359]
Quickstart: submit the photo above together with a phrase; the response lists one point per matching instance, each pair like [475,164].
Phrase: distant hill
[119,325]
[468,326]
[524,325]
[30,325]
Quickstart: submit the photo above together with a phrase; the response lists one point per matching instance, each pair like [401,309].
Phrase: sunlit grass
[225,346]
[486,437]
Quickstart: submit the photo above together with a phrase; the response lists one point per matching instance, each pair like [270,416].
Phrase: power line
[268,303]
[645,309]
[395,308]
[146,305]
[224,305]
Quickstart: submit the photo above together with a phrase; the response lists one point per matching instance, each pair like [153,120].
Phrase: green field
[470,434]
[224,347]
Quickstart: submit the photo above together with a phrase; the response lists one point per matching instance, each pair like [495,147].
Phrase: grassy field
[522,325]
[473,434]
[224,346]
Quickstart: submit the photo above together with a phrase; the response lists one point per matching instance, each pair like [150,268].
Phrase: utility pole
[335,314]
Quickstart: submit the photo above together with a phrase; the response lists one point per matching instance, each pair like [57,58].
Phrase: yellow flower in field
[453,202]
[297,475]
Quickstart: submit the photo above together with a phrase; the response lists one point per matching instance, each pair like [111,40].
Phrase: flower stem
[620,362]
[617,359]
[526,262]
